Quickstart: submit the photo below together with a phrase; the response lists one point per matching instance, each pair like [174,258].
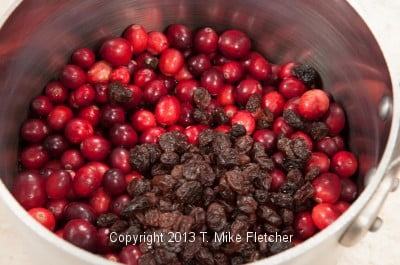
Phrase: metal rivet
[395,184]
[376,225]
[385,107]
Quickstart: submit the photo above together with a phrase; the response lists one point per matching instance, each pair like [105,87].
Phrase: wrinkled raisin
[201,97]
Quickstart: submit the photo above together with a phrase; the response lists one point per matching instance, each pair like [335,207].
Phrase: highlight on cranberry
[190,135]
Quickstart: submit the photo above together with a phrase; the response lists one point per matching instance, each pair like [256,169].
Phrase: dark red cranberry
[230,110]
[232,71]
[151,135]
[198,64]
[137,36]
[58,117]
[99,72]
[119,158]
[171,61]
[132,66]
[77,130]
[81,233]
[79,210]
[245,89]
[114,182]
[313,104]
[259,68]
[101,93]
[55,144]
[226,96]
[169,81]
[157,42]
[95,148]
[56,92]
[243,117]
[86,181]
[344,164]
[219,59]
[57,208]
[349,190]
[120,74]
[100,201]
[205,41]
[41,105]
[130,255]
[320,160]
[179,36]
[273,101]
[342,206]
[119,203]
[90,113]
[186,117]
[327,188]
[278,178]
[154,90]
[136,98]
[44,217]
[34,156]
[278,159]
[339,142]
[292,87]
[82,96]
[83,57]
[335,119]
[234,44]
[212,80]
[123,135]
[280,126]
[328,146]
[324,214]
[192,133]
[133,175]
[103,240]
[304,226]
[143,119]
[72,159]
[184,90]
[117,51]
[34,130]
[267,138]
[292,104]
[143,76]
[306,138]
[72,76]
[112,114]
[29,189]
[273,78]
[58,184]
[167,110]
[286,70]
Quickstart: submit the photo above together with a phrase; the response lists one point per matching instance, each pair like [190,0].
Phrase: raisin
[160,169]
[151,217]
[138,186]
[201,97]
[202,117]
[221,259]
[208,196]
[244,144]
[284,145]
[154,152]
[279,246]
[206,137]
[219,116]
[228,158]
[318,130]
[216,217]
[163,256]
[236,181]
[265,119]
[191,248]
[238,260]
[306,74]
[199,171]
[189,192]
[261,196]
[292,163]
[293,119]
[137,203]
[287,216]
[118,93]
[237,130]
[164,182]
[305,192]
[204,256]
[177,171]
[247,204]
[140,158]
[281,199]
[173,142]
[253,103]
[269,215]
[300,148]
[106,219]
[312,173]
[119,226]
[170,158]
[147,259]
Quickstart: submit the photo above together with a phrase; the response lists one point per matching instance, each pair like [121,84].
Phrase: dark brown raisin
[202,116]
[227,158]
[201,97]
[216,217]
[281,199]
[219,116]
[221,259]
[237,130]
[318,130]
[118,93]
[191,248]
[269,215]
[106,219]
[300,148]
[261,196]
[312,173]
[147,259]
[244,144]
[279,246]
[287,216]
[307,74]
[208,196]
[165,182]
[138,203]
[151,217]
[160,169]
[189,192]
[170,158]
[247,204]
[265,119]
[140,158]
[163,256]
[236,181]
[206,137]
[253,104]
[138,186]
[305,192]
[293,119]
[204,256]
[199,217]
[173,142]
[119,226]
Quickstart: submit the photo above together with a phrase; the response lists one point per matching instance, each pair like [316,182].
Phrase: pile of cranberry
[76,161]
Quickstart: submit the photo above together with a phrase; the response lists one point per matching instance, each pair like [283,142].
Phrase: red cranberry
[344,164]
[59,117]
[243,117]
[143,119]
[230,110]
[171,61]
[223,128]
[232,71]
[226,96]
[86,181]
[342,206]
[205,41]
[349,190]
[320,160]
[335,119]
[291,88]
[29,189]
[273,101]
[99,166]
[34,130]
[112,114]
[77,130]
[157,42]
[58,184]
[167,110]
[116,51]
[186,117]
[95,148]
[123,135]
[248,58]
[234,44]
[99,72]
[328,146]
[41,105]
[184,90]
[292,104]
[245,89]
[34,156]
[183,74]
[259,68]
[280,126]
[339,142]
[324,214]
[56,92]
[277,158]
[120,74]
[133,175]
[305,137]
[278,178]
[286,70]
[273,78]
[100,201]
[49,167]
[198,64]
[327,188]
[72,76]
[192,133]
[130,255]
[81,234]
[136,98]
[91,114]
[219,59]
[304,226]
[119,203]
[137,36]
[151,135]
[169,81]
[57,208]
[179,36]
[313,104]
[101,93]
[143,76]
[82,96]
[154,90]
[119,158]
[103,240]
[72,159]
[44,217]
[267,138]
[83,57]
[114,182]
[212,80]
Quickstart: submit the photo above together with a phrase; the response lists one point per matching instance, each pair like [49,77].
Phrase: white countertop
[380,248]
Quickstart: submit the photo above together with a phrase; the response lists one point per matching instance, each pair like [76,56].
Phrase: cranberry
[342,206]
[327,188]
[60,233]
[86,181]
[278,178]
[280,126]
[234,44]
[219,60]
[112,114]
[151,135]
[41,105]
[83,57]
[123,135]
[100,201]
[320,160]
[273,101]
[277,158]
[259,68]
[143,119]
[267,138]
[103,240]
[245,89]
[57,208]
[34,156]
[349,190]
[226,96]
[132,66]
[305,137]
[130,255]
[119,203]
[82,96]
[273,78]
[99,166]
[137,36]
[91,114]
[292,104]
[286,70]
[186,116]
[171,61]
[58,184]
[120,74]
[335,119]
[34,130]
[136,98]
[49,167]
[198,64]
[183,74]
[232,71]
[184,90]
[116,51]
[95,148]
[114,182]
[29,189]
[212,80]
[44,217]
[101,93]
[179,36]
[119,158]
[339,142]
[223,128]
[230,110]
[192,133]
[81,234]
[143,76]
[169,81]
[243,117]
[328,146]
[99,72]
[133,175]
[72,76]
[304,226]
[205,41]
[313,104]
[154,90]
[344,164]
[72,159]
[291,88]
[59,117]
[56,92]
[324,214]
[79,210]
[157,42]
[167,110]
[77,130]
